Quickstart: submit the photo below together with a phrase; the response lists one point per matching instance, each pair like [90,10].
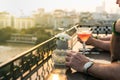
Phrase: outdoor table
[61,72]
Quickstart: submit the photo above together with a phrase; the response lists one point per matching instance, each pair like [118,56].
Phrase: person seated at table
[102,70]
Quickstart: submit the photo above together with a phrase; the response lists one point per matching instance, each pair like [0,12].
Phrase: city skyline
[17,7]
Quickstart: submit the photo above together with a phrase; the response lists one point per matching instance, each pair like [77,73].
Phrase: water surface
[10,50]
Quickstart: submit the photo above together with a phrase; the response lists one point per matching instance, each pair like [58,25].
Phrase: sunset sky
[28,6]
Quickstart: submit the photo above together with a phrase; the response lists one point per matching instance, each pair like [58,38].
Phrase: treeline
[5,33]
[40,32]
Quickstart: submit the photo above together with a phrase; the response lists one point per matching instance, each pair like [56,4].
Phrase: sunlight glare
[55,77]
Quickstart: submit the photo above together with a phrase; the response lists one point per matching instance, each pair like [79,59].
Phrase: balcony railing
[28,63]
[36,63]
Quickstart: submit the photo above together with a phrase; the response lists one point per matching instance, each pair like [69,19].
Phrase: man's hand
[76,60]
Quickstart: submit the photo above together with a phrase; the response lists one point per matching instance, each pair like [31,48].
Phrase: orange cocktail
[84,36]
[84,33]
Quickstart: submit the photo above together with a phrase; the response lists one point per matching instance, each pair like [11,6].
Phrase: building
[24,22]
[105,19]
[101,9]
[64,18]
[42,19]
[6,20]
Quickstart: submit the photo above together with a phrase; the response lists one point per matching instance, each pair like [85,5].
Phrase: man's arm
[102,43]
[101,69]
[109,71]
[105,45]
[107,38]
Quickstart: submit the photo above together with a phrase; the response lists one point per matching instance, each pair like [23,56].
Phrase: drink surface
[84,36]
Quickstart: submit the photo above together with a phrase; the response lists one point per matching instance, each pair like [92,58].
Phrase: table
[78,76]
[61,72]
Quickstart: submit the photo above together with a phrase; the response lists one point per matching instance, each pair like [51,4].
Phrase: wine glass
[84,33]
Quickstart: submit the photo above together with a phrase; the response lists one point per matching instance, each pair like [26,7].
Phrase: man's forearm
[107,38]
[109,71]
[105,45]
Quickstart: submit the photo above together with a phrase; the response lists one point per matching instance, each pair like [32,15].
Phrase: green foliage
[42,36]
[39,32]
[5,33]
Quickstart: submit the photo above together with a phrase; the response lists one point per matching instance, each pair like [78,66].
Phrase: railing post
[12,70]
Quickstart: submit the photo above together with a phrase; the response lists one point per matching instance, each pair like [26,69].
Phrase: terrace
[37,63]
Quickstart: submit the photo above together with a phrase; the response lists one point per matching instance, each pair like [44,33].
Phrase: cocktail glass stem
[84,47]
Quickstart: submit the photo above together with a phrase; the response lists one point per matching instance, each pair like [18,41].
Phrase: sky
[17,7]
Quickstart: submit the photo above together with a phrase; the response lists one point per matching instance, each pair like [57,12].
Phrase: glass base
[87,51]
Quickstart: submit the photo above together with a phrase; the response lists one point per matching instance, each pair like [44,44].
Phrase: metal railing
[27,64]
[100,29]
[34,64]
